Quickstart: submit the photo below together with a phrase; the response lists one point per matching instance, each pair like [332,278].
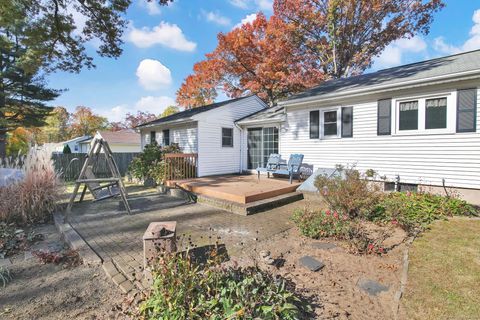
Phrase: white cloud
[153,8]
[393,54]
[242,4]
[472,43]
[248,19]
[265,5]
[215,17]
[153,75]
[166,34]
[152,104]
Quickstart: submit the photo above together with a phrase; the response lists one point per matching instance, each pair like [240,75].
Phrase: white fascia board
[467,75]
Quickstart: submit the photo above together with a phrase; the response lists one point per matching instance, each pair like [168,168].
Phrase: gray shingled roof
[269,114]
[462,62]
[187,114]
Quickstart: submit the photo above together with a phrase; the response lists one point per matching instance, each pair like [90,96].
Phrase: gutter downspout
[240,169]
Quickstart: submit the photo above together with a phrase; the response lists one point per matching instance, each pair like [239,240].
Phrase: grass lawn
[444,273]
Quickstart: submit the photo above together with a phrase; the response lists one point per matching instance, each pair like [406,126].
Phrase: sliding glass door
[261,143]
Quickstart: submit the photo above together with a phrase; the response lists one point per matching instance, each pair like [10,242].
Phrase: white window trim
[322,122]
[451,114]
[221,137]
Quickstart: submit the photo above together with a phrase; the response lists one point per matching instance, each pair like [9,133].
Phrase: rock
[264,253]
[311,263]
[269,261]
[5,262]
[323,245]
[371,287]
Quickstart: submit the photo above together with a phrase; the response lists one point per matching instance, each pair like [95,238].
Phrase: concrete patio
[117,237]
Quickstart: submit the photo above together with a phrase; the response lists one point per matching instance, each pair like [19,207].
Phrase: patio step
[252,207]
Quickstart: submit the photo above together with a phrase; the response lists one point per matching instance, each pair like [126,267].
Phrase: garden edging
[75,241]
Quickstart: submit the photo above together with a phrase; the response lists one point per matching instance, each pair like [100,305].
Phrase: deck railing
[181,166]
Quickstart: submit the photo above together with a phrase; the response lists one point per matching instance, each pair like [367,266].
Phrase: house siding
[420,159]
[213,158]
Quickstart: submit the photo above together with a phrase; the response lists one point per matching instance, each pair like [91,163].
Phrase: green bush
[151,162]
[415,211]
[317,224]
[184,290]
[349,192]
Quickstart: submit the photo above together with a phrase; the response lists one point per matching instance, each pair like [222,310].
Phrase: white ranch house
[416,123]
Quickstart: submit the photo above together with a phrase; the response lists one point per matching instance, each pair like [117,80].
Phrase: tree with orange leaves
[255,58]
[302,44]
[346,35]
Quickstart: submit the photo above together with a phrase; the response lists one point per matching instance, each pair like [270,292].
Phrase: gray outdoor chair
[273,164]
[292,168]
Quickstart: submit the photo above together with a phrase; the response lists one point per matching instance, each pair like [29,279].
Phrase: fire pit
[159,237]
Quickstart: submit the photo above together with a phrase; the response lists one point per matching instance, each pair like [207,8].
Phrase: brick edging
[75,241]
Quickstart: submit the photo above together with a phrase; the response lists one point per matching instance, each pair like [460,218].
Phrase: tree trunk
[3,144]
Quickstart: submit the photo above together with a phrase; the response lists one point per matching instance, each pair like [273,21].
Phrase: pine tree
[23,92]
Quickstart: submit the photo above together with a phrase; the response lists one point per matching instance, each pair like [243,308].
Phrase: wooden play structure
[100,188]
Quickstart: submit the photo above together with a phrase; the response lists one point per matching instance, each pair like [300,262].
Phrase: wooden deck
[241,189]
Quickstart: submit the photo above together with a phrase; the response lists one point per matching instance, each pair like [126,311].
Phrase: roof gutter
[174,122]
[467,75]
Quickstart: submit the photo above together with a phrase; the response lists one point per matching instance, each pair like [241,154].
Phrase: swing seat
[99,191]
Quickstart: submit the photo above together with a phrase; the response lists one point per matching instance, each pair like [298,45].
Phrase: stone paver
[117,237]
[311,263]
[323,245]
[371,287]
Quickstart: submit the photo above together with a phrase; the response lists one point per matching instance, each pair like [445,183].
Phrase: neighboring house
[417,122]
[123,141]
[210,131]
[74,144]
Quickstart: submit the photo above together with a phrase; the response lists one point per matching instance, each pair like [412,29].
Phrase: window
[153,139]
[330,123]
[436,113]
[314,124]
[227,137]
[408,115]
[384,117]
[166,137]
[347,122]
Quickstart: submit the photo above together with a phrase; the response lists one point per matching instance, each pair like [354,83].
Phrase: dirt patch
[52,291]
[334,289]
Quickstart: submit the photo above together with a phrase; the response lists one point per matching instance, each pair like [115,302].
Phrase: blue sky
[163,43]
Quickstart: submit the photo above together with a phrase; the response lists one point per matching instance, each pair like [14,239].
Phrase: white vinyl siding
[420,158]
[213,159]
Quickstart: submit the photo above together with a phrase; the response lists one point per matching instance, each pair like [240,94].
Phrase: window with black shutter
[347,122]
[314,124]
[384,117]
[467,110]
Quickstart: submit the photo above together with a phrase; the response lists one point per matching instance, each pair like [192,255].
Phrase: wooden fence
[180,166]
[70,168]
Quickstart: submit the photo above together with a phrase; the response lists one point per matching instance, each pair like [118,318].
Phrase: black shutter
[467,110]
[384,117]
[314,124]
[347,122]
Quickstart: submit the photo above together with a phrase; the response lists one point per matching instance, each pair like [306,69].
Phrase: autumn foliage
[303,43]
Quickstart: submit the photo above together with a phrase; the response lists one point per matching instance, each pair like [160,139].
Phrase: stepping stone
[371,287]
[323,245]
[311,263]
[5,262]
